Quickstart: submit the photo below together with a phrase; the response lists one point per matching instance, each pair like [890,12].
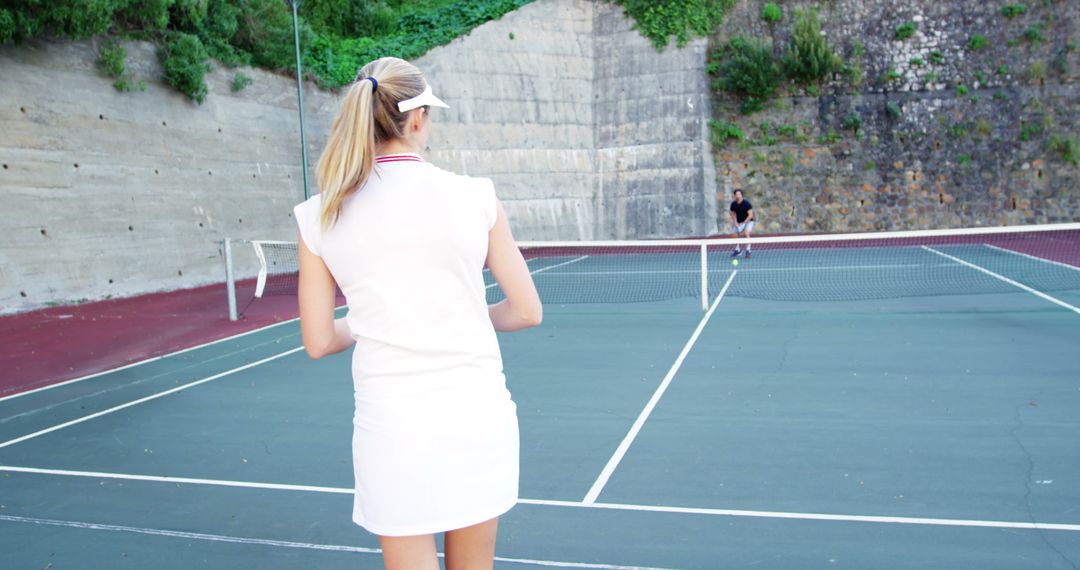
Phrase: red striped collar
[398,158]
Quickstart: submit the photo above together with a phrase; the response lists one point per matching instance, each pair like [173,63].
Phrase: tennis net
[834,267]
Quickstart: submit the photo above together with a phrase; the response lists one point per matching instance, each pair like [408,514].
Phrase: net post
[230,280]
[704,277]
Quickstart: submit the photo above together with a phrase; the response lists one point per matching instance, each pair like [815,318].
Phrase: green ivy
[661,20]
[336,36]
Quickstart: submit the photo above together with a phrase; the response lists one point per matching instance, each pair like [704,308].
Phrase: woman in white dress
[435,440]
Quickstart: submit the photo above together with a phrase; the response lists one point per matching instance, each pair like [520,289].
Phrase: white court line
[575,504]
[284,543]
[810,516]
[1036,258]
[612,463]
[178,480]
[147,398]
[1016,284]
[542,269]
[149,360]
[755,269]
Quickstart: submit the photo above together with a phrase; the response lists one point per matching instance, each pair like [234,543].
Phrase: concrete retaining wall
[588,132]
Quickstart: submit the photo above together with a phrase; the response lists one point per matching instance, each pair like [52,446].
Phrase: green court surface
[921,413]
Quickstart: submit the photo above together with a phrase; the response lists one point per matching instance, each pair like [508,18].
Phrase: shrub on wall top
[660,20]
[745,68]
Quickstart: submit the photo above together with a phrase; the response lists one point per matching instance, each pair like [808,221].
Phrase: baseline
[924,521]
[285,543]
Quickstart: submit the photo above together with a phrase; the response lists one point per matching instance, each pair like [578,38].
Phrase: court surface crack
[1017,425]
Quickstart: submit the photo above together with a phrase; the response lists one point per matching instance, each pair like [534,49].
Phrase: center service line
[612,463]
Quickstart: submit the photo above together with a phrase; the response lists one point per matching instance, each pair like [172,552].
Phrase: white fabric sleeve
[488,201]
[307,219]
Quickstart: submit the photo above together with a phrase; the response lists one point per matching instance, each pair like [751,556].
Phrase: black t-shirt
[742,211]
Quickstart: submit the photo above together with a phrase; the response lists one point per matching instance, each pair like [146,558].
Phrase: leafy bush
[1034,35]
[905,30]
[660,20]
[746,69]
[723,131]
[976,42]
[1028,130]
[771,13]
[112,59]
[852,121]
[1037,72]
[892,109]
[809,58]
[239,82]
[1066,147]
[1013,10]
[186,61]
[937,57]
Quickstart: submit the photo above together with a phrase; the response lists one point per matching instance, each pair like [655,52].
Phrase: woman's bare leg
[409,552]
[472,547]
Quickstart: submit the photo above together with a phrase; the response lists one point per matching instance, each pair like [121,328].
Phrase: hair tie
[374,83]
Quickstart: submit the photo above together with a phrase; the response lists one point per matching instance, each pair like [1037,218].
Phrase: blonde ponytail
[368,116]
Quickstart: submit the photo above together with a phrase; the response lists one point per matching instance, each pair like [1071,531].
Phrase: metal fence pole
[230,280]
[704,277]
[300,95]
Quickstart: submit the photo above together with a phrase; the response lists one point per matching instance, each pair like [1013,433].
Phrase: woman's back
[408,252]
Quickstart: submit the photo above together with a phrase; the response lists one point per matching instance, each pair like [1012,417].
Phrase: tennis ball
[735,262]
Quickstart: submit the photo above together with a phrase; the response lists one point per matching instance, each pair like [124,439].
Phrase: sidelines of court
[700,511]
[1034,257]
[1004,279]
[147,398]
[286,543]
[547,267]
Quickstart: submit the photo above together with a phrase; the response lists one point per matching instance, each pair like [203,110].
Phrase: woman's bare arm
[322,334]
[521,309]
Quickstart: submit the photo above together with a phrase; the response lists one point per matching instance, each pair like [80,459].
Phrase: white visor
[425,98]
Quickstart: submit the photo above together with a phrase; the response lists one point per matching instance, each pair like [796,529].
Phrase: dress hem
[432,528]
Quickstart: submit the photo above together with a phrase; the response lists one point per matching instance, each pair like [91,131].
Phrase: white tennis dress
[435,434]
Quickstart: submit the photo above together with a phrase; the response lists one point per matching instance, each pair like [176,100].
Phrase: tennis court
[879,404]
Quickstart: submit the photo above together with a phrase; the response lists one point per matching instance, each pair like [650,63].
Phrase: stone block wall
[957,137]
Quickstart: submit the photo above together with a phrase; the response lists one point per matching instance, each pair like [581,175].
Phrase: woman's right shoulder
[308,209]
